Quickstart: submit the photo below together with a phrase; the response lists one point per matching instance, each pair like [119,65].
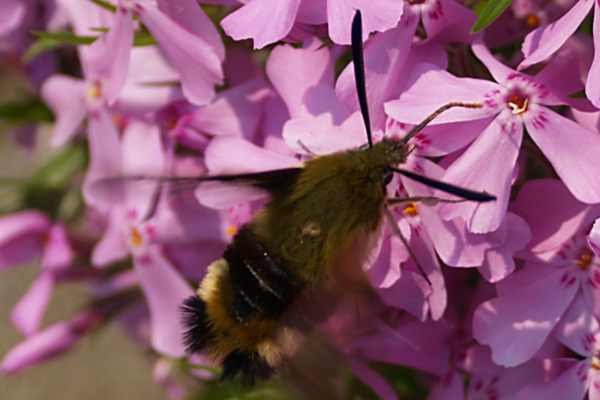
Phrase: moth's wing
[215,191]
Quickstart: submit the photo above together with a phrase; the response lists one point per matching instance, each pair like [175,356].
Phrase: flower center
[585,259]
[231,230]
[411,210]
[135,238]
[596,363]
[532,21]
[518,102]
[94,91]
[413,2]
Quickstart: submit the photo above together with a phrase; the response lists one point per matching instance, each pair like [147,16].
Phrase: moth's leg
[396,230]
[419,127]
[427,200]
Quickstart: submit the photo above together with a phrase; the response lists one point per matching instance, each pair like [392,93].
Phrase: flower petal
[545,40]
[190,16]
[515,326]
[592,85]
[264,21]
[165,290]
[423,97]
[12,13]
[594,238]
[385,71]
[198,65]
[58,253]
[235,111]
[499,71]
[572,150]
[377,16]
[310,92]
[28,313]
[487,165]
[551,197]
[373,380]
[578,329]
[108,57]
[66,97]
[570,385]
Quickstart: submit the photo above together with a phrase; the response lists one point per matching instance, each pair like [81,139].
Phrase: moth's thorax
[336,199]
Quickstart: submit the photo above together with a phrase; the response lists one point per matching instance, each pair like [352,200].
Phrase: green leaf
[488,13]
[143,38]
[105,4]
[47,41]
[31,110]
[48,185]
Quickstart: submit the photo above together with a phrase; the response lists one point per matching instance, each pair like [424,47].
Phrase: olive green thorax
[334,199]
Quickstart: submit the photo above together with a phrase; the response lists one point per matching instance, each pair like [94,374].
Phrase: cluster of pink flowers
[192,99]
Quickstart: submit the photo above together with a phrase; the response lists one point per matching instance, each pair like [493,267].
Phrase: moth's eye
[388,174]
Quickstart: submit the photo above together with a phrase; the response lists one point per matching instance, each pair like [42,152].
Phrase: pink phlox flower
[266,22]
[579,331]
[138,224]
[49,343]
[72,99]
[561,268]
[23,237]
[517,101]
[523,17]
[546,40]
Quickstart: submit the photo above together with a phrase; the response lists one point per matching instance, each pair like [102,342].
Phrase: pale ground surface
[105,365]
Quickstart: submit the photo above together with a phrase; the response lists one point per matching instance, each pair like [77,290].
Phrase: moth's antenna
[359,72]
[481,197]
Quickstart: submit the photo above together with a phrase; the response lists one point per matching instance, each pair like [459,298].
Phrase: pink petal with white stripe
[264,21]
[545,40]
[572,150]
[377,16]
[515,326]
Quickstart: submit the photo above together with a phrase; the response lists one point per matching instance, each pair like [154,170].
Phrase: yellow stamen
[532,21]
[94,91]
[136,239]
[231,230]
[518,105]
[596,363]
[585,259]
[411,210]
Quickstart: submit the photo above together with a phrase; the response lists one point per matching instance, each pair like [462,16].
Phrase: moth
[314,230]
[311,238]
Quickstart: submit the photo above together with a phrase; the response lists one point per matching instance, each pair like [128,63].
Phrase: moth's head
[385,155]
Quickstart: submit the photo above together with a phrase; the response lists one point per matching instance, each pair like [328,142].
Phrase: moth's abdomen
[236,315]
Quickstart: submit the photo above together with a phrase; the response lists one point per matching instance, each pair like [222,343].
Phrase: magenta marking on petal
[145,259]
[564,278]
[151,232]
[478,386]
[571,281]
[131,214]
